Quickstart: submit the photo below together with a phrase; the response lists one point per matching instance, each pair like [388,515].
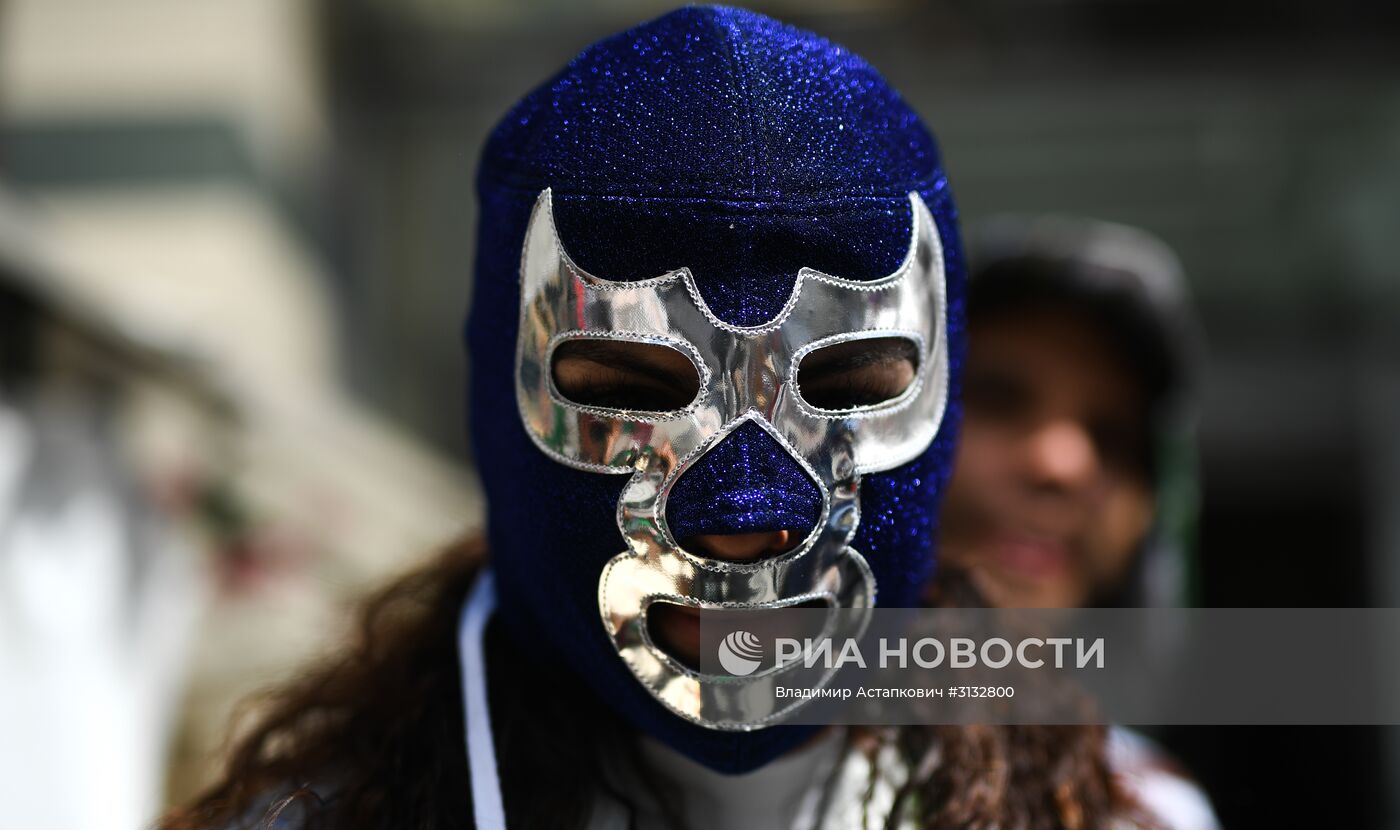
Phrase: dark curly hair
[373,740]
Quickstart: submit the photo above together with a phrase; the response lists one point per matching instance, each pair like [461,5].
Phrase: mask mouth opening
[675,628]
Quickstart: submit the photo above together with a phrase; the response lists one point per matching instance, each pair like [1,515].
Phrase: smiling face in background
[1050,498]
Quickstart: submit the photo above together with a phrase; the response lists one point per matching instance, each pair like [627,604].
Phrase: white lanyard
[489,811]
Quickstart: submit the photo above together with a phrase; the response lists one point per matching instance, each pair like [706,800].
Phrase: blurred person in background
[187,490]
[138,540]
[1073,483]
[1074,480]
[100,588]
[662,415]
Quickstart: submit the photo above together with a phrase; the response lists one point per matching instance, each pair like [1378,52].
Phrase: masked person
[1073,483]
[715,338]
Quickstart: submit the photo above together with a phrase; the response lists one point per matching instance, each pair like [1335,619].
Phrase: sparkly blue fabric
[727,142]
[748,483]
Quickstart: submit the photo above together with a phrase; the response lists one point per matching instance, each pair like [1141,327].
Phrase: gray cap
[1125,277]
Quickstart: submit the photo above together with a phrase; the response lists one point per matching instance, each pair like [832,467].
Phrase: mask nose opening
[747,499]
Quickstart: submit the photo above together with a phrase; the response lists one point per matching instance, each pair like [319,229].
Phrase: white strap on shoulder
[490,813]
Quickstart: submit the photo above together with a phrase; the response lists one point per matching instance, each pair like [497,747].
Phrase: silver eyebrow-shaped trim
[545,207]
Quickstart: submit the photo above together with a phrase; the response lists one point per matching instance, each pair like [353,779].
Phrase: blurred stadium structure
[240,236]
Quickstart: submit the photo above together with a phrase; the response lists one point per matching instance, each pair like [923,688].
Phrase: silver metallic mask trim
[746,374]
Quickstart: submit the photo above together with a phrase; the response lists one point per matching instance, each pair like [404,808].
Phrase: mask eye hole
[856,374]
[624,375]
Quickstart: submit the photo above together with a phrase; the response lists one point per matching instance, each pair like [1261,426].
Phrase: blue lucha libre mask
[744,194]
